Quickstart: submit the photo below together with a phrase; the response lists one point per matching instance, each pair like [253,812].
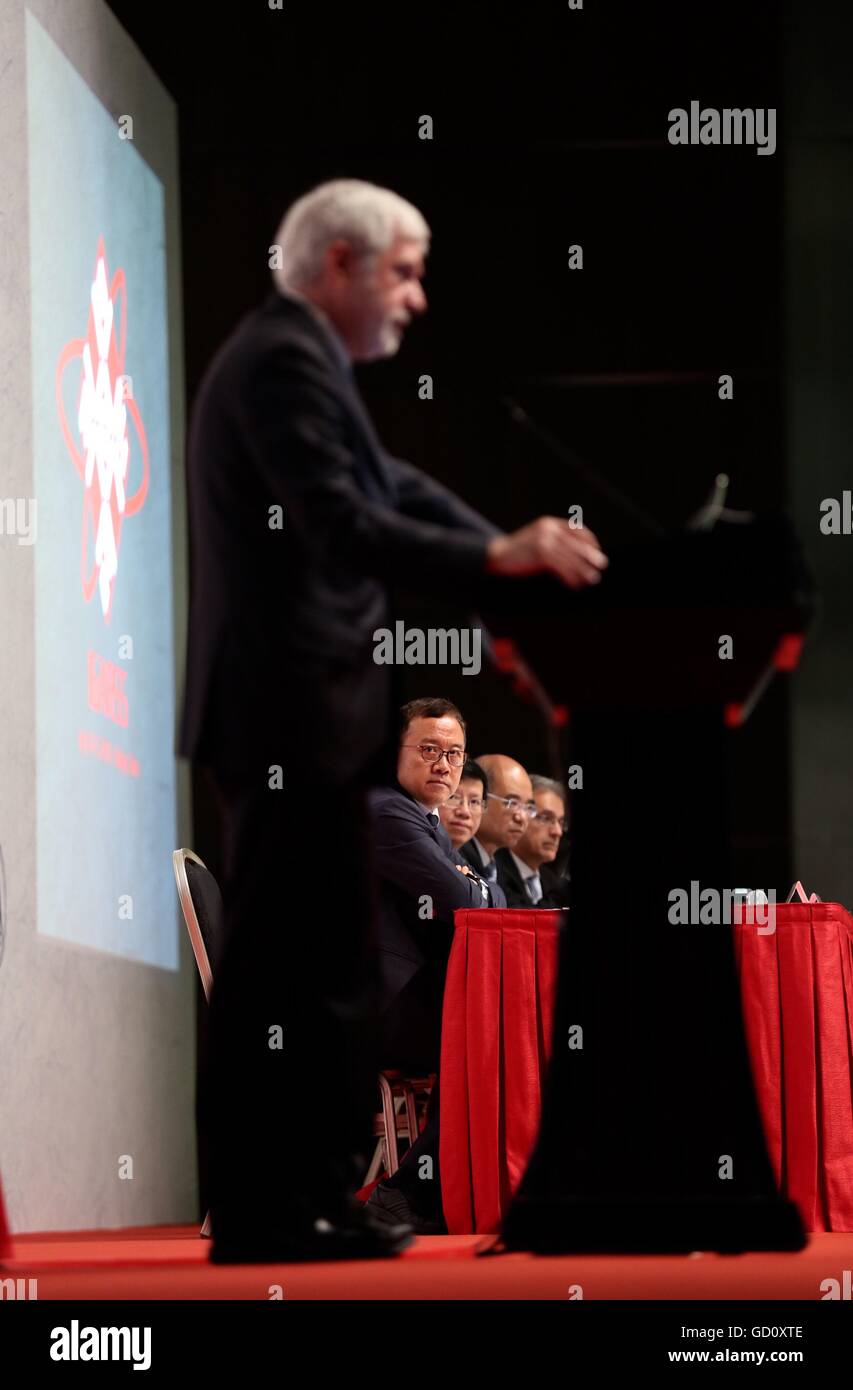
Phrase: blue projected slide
[103,571]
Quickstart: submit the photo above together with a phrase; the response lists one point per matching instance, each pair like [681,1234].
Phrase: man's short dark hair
[428,708]
[472,772]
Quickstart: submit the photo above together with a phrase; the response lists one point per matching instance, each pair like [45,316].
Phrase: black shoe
[361,1237]
[390,1205]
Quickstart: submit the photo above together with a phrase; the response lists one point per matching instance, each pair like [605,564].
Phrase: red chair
[403,1115]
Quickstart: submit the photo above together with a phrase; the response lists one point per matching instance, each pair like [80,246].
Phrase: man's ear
[341,258]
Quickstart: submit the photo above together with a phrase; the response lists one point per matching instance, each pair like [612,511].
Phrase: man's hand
[549,543]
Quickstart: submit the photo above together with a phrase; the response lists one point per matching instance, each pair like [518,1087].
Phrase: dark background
[549,129]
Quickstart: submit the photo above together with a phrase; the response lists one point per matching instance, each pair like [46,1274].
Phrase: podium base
[583,1225]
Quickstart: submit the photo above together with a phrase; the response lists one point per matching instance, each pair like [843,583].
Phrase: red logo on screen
[101,453]
[106,690]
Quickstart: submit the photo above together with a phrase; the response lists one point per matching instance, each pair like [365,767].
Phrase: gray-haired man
[300,522]
[525,871]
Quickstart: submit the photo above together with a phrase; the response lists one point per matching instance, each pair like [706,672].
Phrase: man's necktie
[534,888]
[433,818]
[490,873]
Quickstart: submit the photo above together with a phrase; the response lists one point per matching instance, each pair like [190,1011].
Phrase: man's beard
[391,337]
[383,341]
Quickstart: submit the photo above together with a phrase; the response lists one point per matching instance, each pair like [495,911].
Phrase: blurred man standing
[299,523]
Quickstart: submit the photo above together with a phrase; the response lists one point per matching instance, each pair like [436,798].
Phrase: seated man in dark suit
[422,882]
[509,806]
[462,812]
[525,872]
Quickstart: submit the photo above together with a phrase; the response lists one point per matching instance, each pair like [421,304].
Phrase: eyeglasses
[474,802]
[548,818]
[431,754]
[514,803]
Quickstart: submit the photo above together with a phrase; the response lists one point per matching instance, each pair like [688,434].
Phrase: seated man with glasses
[525,872]
[509,806]
[422,880]
[462,812]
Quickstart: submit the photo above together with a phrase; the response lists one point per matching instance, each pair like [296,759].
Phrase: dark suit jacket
[554,889]
[555,886]
[413,859]
[289,614]
[471,855]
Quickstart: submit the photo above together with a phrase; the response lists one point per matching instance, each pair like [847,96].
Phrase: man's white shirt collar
[485,859]
[524,869]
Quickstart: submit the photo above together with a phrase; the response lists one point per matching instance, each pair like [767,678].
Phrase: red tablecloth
[495,1044]
[797,990]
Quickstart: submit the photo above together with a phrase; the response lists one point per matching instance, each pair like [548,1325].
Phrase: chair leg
[411,1112]
[376,1162]
[389,1115]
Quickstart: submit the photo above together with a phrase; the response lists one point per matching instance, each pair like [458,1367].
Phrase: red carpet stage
[170,1262]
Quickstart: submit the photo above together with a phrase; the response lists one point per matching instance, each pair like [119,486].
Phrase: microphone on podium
[715,508]
[583,470]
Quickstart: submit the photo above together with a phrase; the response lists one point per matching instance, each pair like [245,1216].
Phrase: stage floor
[170,1262]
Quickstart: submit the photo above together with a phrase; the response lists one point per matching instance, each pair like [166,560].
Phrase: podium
[651,1138]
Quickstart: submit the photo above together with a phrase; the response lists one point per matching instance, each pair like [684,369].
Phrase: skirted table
[797,991]
[495,1045]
